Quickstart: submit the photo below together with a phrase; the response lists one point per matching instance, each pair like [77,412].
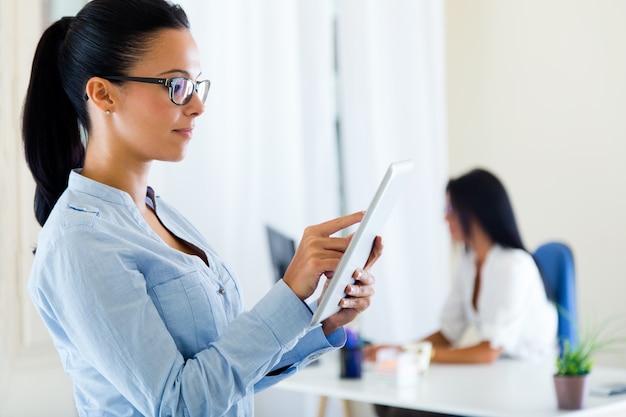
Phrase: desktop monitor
[282,249]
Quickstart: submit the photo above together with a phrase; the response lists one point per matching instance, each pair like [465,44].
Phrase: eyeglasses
[181,89]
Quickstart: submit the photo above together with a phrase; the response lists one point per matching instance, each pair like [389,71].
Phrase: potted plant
[574,364]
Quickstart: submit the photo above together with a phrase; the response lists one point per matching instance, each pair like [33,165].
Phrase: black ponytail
[50,127]
[107,37]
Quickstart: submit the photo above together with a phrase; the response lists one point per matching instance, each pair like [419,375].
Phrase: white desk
[506,388]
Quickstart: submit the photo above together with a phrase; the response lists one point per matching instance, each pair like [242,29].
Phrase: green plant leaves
[578,360]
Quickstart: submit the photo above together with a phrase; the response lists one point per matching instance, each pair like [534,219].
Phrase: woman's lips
[186,132]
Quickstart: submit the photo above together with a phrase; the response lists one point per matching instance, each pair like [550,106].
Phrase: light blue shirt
[144,329]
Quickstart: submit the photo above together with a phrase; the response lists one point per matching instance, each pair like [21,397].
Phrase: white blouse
[513,312]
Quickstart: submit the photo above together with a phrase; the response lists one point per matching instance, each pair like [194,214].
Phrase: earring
[107,112]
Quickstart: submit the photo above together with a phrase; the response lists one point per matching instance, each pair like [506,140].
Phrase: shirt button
[316,355]
[221,291]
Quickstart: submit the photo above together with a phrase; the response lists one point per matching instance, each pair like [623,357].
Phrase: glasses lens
[203,89]
[181,90]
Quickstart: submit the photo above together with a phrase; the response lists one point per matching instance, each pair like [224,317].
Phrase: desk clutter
[398,367]
[403,367]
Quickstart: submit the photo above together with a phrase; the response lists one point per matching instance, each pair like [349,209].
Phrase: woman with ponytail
[147,318]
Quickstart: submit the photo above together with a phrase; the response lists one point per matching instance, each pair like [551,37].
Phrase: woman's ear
[101,93]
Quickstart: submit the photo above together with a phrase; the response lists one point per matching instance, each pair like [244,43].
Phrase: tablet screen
[360,246]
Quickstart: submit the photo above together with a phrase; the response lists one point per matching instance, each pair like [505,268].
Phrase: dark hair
[107,37]
[481,196]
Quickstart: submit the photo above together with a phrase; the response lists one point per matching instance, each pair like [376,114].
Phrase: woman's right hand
[318,254]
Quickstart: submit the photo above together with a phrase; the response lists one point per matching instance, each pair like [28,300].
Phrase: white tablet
[360,246]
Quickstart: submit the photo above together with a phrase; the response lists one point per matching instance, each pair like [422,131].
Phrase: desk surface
[506,388]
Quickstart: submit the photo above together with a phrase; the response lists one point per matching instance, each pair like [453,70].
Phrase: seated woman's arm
[438,340]
[480,353]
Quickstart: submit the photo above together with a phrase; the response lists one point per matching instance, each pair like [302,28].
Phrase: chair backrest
[556,264]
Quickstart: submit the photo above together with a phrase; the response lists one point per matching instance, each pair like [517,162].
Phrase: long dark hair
[107,37]
[480,195]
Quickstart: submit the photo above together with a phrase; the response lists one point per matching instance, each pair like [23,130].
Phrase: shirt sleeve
[101,318]
[309,349]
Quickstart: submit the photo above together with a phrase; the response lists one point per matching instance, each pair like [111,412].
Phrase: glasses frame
[166,82]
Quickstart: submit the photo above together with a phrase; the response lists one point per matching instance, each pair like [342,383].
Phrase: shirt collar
[80,183]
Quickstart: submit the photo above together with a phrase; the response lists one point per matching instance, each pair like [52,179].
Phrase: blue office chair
[556,263]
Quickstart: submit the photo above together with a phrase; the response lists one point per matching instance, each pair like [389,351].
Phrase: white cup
[423,351]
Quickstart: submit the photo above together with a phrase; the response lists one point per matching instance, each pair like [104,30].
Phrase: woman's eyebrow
[178,71]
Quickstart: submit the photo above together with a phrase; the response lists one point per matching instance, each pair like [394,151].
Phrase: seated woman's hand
[370,351]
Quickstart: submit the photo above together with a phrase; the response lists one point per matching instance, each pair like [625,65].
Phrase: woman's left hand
[358,295]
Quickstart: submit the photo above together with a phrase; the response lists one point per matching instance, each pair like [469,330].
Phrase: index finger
[332,226]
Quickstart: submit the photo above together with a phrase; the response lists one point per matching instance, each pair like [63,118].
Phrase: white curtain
[391,55]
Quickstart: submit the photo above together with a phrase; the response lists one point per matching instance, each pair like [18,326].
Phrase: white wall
[537,93]
[29,366]
[8,268]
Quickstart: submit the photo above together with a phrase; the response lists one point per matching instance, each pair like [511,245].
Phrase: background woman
[497,305]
